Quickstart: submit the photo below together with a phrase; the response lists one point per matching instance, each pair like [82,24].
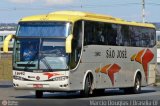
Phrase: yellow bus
[80,51]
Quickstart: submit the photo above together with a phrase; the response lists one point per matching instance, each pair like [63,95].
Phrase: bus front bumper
[41,85]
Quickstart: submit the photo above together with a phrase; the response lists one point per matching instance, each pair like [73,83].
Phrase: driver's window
[29,49]
[77,44]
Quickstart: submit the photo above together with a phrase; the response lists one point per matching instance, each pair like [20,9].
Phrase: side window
[77,34]
[142,37]
[88,33]
[135,34]
[91,33]
[153,37]
[145,38]
[101,34]
[148,37]
[76,44]
[126,35]
[119,41]
[112,34]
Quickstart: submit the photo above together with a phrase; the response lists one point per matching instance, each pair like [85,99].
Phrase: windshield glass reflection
[40,53]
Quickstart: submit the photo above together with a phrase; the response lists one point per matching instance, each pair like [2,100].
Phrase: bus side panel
[152,74]
[152,68]
[113,66]
[77,76]
[102,63]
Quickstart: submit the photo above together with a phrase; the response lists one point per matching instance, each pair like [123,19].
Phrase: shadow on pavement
[77,95]
[56,95]
[147,91]
[6,86]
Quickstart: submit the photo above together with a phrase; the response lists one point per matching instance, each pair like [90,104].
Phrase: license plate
[37,86]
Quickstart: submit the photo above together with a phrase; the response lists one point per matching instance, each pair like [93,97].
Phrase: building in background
[6,59]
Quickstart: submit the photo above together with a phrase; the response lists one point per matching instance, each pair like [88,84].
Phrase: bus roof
[72,16]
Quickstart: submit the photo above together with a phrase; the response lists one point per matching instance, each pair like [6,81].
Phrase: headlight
[18,78]
[60,78]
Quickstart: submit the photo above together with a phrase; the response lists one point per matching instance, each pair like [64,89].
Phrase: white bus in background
[158,51]
[3,35]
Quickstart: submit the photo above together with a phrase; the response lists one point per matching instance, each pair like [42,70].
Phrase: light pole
[143,11]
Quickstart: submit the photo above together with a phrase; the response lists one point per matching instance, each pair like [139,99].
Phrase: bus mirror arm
[6,42]
[69,44]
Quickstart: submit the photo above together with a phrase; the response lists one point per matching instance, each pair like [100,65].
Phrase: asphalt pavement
[111,96]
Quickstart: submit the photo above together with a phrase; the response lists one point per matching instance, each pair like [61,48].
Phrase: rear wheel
[136,88]
[38,94]
[137,85]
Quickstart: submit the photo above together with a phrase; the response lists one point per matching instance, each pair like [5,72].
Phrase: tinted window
[77,44]
[118,35]
[57,29]
[142,37]
[100,33]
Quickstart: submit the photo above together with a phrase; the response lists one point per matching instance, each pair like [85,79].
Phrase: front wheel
[88,87]
[38,94]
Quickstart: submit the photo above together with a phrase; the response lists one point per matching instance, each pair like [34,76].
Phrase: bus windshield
[56,29]
[40,53]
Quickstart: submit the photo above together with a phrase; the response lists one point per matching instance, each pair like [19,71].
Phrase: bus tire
[38,94]
[137,85]
[87,88]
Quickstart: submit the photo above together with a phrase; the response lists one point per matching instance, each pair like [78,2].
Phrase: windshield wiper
[43,59]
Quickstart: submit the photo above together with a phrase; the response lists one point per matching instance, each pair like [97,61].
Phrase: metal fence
[6,66]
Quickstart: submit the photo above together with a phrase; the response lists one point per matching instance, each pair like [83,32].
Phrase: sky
[11,11]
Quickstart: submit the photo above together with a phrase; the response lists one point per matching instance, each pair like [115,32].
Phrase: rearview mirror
[69,44]
[6,42]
